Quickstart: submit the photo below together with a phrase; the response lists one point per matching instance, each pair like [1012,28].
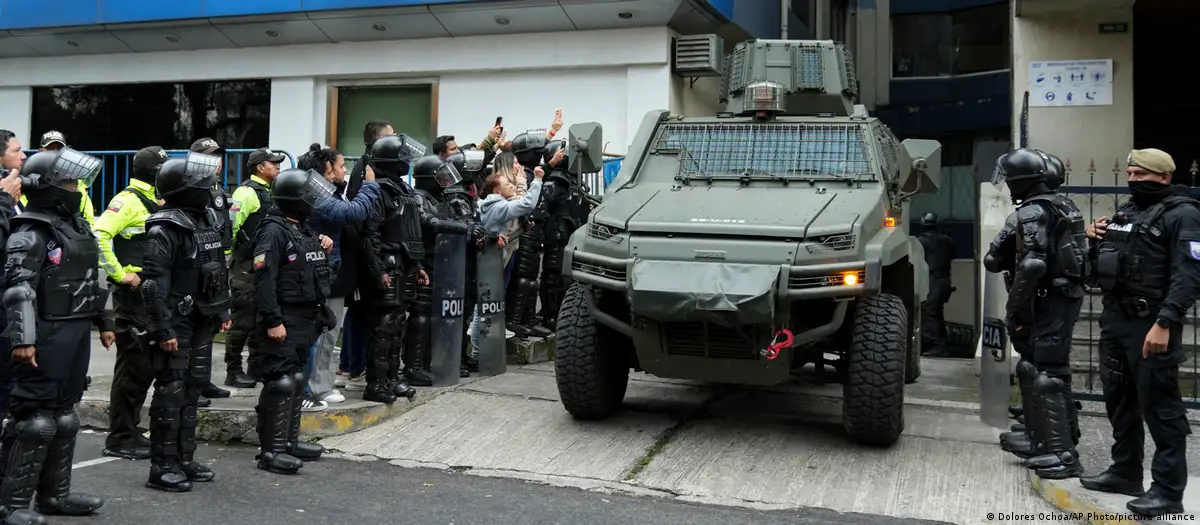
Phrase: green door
[408,108]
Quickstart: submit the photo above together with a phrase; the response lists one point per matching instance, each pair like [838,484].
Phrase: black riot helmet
[1056,171]
[50,179]
[190,182]
[296,192]
[392,154]
[529,147]
[470,164]
[929,220]
[1024,171]
[433,173]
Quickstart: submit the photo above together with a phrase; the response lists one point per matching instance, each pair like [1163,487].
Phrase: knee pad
[66,423]
[283,386]
[552,260]
[37,428]
[298,378]
[170,392]
[1026,371]
[1046,385]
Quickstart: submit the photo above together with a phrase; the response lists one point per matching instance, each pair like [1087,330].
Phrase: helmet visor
[472,160]
[998,173]
[75,166]
[410,148]
[447,176]
[317,189]
[202,170]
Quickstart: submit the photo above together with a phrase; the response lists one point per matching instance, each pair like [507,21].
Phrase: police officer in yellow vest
[53,141]
[121,232]
[251,201]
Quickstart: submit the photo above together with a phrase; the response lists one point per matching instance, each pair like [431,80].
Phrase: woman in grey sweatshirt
[496,212]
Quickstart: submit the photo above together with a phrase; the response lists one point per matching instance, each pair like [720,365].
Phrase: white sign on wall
[1058,83]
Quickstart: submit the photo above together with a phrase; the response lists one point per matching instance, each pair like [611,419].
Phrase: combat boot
[166,411]
[1111,483]
[21,517]
[1061,460]
[1153,505]
[275,420]
[378,388]
[402,389]
[26,459]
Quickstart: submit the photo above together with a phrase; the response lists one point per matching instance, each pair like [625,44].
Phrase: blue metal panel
[725,7]
[939,119]
[123,11]
[929,90]
[19,14]
[28,14]
[214,8]
[760,18]
[909,7]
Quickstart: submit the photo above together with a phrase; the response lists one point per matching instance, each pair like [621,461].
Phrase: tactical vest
[132,251]
[463,207]
[69,288]
[401,228]
[1067,257]
[304,275]
[1134,259]
[243,250]
[199,277]
[567,210]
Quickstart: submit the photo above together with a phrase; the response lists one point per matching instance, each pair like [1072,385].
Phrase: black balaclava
[145,174]
[55,200]
[193,198]
[1147,193]
[298,210]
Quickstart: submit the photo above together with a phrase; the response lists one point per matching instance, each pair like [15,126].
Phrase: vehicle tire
[873,394]
[591,379]
[912,356]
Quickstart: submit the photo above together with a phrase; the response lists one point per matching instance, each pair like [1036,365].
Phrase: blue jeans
[353,359]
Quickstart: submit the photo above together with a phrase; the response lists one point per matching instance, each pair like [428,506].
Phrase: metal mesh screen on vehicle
[791,151]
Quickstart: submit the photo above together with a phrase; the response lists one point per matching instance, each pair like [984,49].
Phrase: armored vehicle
[741,247]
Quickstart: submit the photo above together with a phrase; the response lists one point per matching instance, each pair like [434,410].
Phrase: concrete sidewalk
[773,448]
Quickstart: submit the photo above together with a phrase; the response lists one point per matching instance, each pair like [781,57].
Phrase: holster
[1114,370]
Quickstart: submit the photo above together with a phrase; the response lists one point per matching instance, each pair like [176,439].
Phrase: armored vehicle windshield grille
[768,151]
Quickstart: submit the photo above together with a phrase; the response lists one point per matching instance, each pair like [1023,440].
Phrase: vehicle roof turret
[794,77]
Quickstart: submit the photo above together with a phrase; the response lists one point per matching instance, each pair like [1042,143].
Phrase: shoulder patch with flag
[235,206]
[115,205]
[55,256]
[1194,249]
[260,260]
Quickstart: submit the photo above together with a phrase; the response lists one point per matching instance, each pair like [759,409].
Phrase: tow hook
[783,339]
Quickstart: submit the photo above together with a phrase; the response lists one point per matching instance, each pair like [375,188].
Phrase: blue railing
[118,166]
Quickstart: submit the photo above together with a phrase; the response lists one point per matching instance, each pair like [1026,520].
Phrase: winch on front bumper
[712,321]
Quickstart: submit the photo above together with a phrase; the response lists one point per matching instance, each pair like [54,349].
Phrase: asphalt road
[339,491]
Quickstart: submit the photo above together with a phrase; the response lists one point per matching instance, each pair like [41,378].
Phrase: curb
[1068,496]
[239,423]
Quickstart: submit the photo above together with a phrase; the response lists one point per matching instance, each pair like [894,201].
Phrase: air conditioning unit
[698,56]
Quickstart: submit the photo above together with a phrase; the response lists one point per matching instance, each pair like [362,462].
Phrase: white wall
[1081,134]
[873,53]
[16,105]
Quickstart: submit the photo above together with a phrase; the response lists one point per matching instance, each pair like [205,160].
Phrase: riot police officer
[567,208]
[223,204]
[392,252]
[291,281]
[939,254]
[185,284]
[121,231]
[53,297]
[1048,265]
[432,177]
[522,297]
[1147,262]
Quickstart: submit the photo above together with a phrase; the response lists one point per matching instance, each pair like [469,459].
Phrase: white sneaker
[508,334]
[357,384]
[311,404]
[340,381]
[333,396]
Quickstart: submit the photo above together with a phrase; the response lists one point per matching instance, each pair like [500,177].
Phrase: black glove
[1017,330]
[478,232]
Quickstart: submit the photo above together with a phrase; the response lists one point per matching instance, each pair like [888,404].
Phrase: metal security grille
[807,68]
[768,151]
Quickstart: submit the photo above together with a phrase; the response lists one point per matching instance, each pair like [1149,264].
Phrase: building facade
[289,73]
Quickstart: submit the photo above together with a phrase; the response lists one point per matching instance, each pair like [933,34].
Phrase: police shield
[994,351]
[449,278]
[489,268]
